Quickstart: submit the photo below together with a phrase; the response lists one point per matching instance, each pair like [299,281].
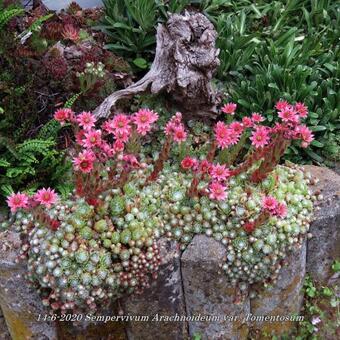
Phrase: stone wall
[189,284]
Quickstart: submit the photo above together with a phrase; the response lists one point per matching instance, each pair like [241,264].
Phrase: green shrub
[285,50]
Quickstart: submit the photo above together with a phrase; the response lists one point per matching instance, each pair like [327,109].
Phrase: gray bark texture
[185,61]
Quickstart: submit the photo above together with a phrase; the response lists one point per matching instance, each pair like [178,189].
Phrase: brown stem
[212,151]
[271,158]
[193,191]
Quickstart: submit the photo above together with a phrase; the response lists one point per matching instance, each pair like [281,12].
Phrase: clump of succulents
[101,242]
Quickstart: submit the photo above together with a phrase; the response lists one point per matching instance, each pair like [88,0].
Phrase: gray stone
[163,298]
[324,248]
[285,297]
[20,303]
[207,292]
[91,330]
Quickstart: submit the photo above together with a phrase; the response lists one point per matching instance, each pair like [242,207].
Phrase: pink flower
[86,120]
[260,137]
[281,105]
[188,163]
[17,201]
[84,161]
[269,203]
[305,134]
[143,119]
[229,108]
[131,160]
[63,115]
[288,115]
[219,172]
[256,118]
[118,146]
[46,197]
[80,137]
[204,167]
[92,138]
[119,124]
[301,109]
[179,134]
[108,149]
[222,135]
[281,210]
[237,127]
[247,122]
[173,123]
[217,191]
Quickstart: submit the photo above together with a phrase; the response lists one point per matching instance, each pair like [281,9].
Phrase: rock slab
[163,298]
[20,303]
[324,247]
[207,292]
[284,298]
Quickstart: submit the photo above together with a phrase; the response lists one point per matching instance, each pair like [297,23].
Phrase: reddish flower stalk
[159,164]
[212,151]
[248,163]
[193,190]
[249,227]
[275,151]
[79,184]
[43,218]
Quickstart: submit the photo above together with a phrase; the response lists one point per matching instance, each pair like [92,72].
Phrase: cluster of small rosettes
[252,256]
[99,254]
[93,257]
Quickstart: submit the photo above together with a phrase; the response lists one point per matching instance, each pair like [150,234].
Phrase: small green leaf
[141,63]
[318,128]
[317,144]
[336,266]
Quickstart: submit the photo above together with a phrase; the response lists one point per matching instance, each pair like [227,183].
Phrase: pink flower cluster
[218,173]
[46,197]
[94,141]
[271,205]
[175,128]
[227,135]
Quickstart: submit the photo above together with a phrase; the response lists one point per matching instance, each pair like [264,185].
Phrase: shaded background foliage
[269,50]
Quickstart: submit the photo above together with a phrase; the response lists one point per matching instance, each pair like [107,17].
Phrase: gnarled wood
[185,61]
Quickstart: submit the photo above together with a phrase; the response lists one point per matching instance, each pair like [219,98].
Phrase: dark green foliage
[31,164]
[268,50]
[285,50]
[131,24]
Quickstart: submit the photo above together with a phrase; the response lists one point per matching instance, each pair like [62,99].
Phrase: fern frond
[38,146]
[7,14]
[69,103]
[6,189]
[9,145]
[36,26]
[64,189]
[4,163]
[49,130]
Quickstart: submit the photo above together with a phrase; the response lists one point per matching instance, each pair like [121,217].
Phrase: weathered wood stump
[185,61]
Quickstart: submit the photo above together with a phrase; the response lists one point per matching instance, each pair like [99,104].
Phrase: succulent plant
[94,257]
[102,241]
